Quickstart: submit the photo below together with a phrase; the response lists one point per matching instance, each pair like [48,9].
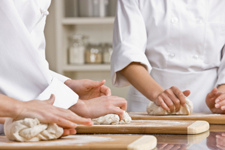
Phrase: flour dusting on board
[76,140]
[149,123]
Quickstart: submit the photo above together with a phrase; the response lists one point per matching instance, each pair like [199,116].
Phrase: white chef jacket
[24,71]
[181,43]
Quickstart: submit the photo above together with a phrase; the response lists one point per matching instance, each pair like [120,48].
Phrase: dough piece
[112,119]
[31,130]
[153,109]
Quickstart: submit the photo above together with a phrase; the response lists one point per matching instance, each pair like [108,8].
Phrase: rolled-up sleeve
[129,40]
[221,70]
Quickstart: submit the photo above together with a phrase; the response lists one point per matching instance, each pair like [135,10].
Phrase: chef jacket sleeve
[59,76]
[129,40]
[24,73]
[221,70]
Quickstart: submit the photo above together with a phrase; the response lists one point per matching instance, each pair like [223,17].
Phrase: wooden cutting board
[149,126]
[210,118]
[86,142]
[181,138]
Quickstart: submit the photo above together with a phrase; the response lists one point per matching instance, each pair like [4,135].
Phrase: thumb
[99,83]
[51,100]
[186,93]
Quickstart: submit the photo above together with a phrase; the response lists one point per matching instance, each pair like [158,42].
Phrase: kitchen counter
[210,140]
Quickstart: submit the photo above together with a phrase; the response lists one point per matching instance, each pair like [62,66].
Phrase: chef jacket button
[171,55]
[174,20]
[195,56]
[199,21]
[44,12]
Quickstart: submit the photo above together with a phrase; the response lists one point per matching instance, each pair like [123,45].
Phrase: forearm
[221,88]
[138,76]
[80,108]
[9,107]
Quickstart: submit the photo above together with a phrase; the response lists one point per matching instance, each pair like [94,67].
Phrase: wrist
[155,93]
[221,88]
[17,109]
[80,108]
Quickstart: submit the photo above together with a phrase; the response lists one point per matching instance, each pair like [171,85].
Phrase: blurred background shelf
[87,67]
[87,20]
[65,20]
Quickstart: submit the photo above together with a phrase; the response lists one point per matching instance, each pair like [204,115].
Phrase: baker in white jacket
[168,49]
[24,71]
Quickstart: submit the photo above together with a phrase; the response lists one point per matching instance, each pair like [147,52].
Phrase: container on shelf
[77,49]
[107,52]
[93,54]
[93,8]
[112,7]
[71,8]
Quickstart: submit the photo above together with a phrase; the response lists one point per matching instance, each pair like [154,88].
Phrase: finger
[220,98]
[72,131]
[212,93]
[176,147]
[66,132]
[105,91]
[119,102]
[168,147]
[161,146]
[118,111]
[72,117]
[99,83]
[174,99]
[161,103]
[168,102]
[186,93]
[220,105]
[179,95]
[51,100]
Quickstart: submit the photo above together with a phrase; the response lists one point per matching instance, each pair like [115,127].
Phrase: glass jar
[76,50]
[107,52]
[93,54]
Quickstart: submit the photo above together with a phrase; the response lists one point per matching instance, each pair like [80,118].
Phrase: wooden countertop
[213,139]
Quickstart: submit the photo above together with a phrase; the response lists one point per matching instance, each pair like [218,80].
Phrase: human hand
[215,100]
[45,112]
[100,106]
[171,97]
[88,89]
[171,146]
[220,141]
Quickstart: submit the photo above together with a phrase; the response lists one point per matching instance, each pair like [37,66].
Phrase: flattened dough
[31,130]
[153,109]
[112,119]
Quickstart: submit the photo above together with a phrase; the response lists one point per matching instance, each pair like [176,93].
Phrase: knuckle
[167,91]
[173,87]
[177,102]
[58,120]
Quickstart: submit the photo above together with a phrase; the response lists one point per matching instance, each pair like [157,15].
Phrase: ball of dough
[112,119]
[187,109]
[31,130]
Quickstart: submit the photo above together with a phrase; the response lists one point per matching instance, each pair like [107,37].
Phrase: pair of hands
[171,97]
[95,99]
[215,100]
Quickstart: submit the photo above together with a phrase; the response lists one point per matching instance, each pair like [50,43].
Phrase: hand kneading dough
[153,109]
[31,130]
[112,119]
